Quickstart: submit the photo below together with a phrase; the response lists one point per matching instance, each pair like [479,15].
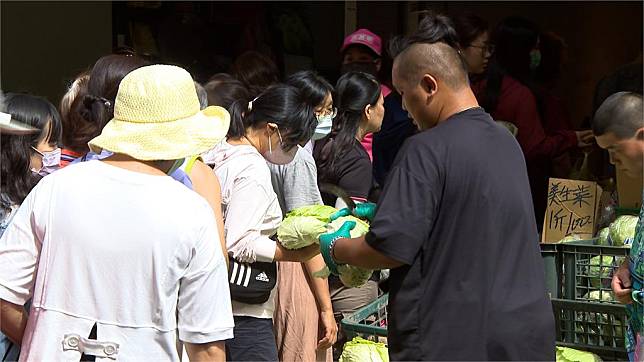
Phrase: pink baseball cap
[363,37]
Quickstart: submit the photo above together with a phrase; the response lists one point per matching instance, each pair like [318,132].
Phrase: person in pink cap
[362,51]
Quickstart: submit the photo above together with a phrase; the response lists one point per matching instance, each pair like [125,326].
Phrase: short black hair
[440,53]
[620,114]
[433,28]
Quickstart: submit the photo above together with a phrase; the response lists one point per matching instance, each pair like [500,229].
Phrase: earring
[270,144]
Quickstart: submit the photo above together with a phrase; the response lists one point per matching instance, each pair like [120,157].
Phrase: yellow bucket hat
[157,117]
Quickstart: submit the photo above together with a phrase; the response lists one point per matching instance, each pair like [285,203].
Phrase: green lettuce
[622,230]
[320,212]
[601,268]
[362,350]
[352,276]
[565,354]
[361,226]
[296,232]
[604,237]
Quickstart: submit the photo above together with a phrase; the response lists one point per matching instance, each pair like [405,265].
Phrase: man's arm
[621,283]
[13,319]
[357,252]
[214,351]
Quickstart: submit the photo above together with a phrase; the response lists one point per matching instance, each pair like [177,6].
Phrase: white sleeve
[252,216]
[204,306]
[19,251]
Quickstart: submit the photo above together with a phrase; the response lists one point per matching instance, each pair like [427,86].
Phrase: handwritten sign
[572,208]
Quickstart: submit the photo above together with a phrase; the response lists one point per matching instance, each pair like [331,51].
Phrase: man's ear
[378,63]
[429,84]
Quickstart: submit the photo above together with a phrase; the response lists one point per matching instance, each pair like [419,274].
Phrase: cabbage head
[601,268]
[570,238]
[362,350]
[604,237]
[353,276]
[361,226]
[565,354]
[600,296]
[622,230]
[320,212]
[296,232]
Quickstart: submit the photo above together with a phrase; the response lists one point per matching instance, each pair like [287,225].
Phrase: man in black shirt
[454,222]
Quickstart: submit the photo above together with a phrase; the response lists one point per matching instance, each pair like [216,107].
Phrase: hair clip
[250,104]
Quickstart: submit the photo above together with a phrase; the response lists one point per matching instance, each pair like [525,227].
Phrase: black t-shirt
[396,128]
[351,170]
[457,211]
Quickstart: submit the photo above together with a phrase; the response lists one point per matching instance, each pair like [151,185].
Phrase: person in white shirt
[116,256]
[265,129]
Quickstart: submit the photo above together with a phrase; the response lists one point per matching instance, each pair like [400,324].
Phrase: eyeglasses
[329,111]
[486,48]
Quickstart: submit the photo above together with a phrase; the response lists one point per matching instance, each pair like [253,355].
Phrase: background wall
[600,36]
[45,44]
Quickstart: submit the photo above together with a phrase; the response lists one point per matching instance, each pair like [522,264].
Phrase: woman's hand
[328,330]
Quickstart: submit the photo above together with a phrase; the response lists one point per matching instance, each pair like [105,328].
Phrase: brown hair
[256,71]
[91,111]
[70,120]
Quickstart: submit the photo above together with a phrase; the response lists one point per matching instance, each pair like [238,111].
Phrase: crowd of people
[139,217]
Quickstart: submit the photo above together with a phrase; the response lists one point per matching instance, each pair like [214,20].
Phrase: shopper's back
[122,250]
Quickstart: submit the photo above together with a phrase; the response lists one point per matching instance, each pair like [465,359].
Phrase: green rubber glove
[366,210]
[327,241]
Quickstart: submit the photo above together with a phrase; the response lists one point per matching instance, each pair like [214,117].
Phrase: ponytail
[238,120]
[281,104]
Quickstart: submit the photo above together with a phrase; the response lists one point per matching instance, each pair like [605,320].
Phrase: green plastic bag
[362,350]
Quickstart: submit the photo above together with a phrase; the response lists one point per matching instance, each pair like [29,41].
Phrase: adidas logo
[262,277]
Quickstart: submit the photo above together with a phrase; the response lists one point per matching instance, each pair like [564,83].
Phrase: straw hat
[157,117]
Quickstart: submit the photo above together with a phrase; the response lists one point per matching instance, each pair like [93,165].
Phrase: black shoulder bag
[251,283]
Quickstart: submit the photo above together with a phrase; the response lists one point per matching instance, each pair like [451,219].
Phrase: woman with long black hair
[340,158]
[24,160]
[508,93]
[268,128]
[342,161]
[303,308]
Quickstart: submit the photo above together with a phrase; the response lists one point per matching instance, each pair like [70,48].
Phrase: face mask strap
[38,152]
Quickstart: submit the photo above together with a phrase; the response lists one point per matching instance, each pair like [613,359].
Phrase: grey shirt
[296,182]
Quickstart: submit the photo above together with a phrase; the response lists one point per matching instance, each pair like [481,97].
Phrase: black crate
[553,269]
[588,269]
[595,327]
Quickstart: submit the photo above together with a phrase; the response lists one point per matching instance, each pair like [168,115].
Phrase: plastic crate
[595,327]
[553,269]
[588,269]
[369,322]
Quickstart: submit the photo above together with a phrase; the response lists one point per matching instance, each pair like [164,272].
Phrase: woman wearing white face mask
[305,327]
[266,129]
[24,159]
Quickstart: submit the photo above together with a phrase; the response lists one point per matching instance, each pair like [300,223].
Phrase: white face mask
[50,162]
[324,127]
